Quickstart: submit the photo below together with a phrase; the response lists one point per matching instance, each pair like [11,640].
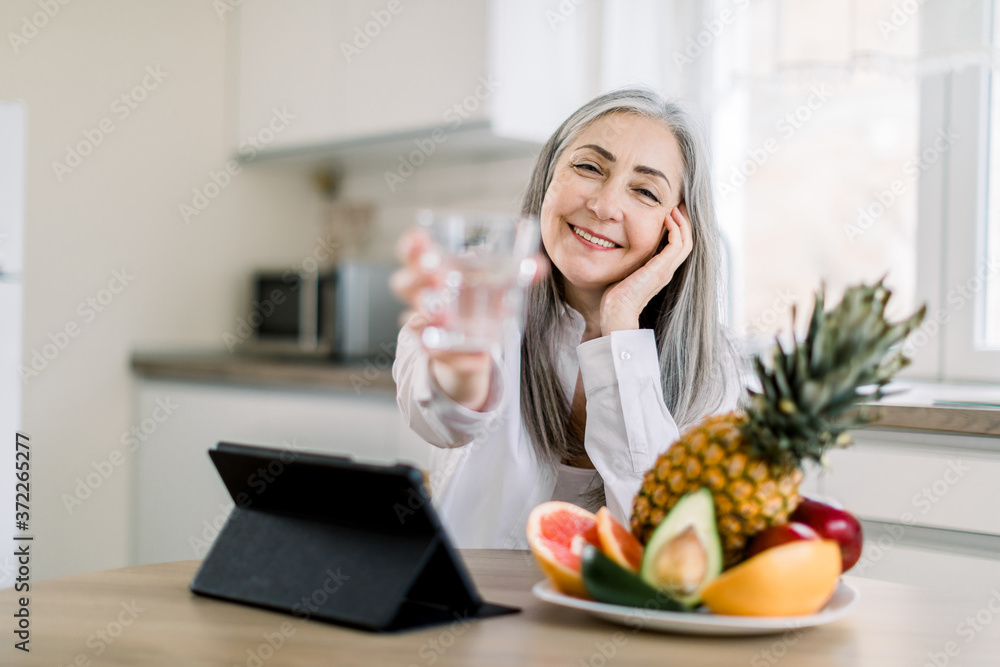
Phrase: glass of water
[487,261]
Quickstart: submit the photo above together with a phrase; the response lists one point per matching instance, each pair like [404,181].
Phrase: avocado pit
[682,563]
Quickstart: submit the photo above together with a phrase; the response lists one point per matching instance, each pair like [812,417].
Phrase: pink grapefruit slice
[617,543]
[557,532]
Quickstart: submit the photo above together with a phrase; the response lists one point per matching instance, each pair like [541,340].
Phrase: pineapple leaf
[809,394]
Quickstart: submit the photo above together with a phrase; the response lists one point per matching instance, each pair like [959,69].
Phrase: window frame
[952,205]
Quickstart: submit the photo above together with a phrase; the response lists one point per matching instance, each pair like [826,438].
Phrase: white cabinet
[348,69]
[372,70]
[940,488]
[178,499]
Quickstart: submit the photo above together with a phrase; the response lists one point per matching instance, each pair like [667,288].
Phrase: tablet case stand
[325,537]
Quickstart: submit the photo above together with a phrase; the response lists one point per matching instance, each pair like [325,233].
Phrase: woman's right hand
[463,376]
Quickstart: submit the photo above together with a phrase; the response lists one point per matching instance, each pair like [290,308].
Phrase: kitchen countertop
[918,408]
[954,408]
[284,372]
[146,615]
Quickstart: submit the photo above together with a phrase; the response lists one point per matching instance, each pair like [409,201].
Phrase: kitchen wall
[129,115]
[139,89]
[495,185]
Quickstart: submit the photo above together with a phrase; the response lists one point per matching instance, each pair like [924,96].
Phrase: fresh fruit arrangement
[752,460]
[720,512]
[790,569]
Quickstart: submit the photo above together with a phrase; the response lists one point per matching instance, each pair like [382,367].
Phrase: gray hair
[699,364]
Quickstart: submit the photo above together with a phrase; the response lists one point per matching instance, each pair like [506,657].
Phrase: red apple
[775,535]
[833,523]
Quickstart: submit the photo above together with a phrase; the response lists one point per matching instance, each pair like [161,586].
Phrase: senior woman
[622,343]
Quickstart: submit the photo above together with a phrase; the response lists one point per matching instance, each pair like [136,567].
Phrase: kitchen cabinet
[490,75]
[179,502]
[931,490]
[913,489]
[349,69]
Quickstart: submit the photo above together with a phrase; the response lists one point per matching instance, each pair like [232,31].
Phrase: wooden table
[148,617]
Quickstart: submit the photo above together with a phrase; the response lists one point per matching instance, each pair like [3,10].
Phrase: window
[817,171]
[852,141]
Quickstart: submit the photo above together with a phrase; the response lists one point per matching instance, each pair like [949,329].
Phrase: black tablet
[325,537]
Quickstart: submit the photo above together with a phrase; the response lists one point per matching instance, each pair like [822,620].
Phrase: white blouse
[486,477]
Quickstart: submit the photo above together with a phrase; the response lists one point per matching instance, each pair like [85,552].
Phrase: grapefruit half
[617,543]
[557,532]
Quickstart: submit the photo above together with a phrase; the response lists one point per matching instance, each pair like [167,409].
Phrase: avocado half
[684,553]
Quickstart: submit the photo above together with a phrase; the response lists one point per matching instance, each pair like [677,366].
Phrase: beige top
[572,483]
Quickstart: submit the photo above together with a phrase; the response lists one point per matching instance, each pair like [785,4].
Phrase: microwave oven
[344,312]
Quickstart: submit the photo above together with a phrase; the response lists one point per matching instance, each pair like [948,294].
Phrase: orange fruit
[791,579]
[617,543]
[557,532]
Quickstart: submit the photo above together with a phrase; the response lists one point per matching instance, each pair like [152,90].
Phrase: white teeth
[593,239]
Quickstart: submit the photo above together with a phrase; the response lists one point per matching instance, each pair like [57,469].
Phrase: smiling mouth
[596,240]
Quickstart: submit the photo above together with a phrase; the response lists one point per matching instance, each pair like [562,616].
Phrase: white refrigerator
[13,133]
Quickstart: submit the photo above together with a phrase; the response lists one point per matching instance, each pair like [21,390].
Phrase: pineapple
[752,460]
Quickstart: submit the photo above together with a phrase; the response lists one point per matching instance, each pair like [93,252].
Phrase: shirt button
[625,354]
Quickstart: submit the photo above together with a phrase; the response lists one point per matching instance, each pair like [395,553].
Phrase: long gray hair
[698,362]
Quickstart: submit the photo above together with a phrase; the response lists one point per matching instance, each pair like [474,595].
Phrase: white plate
[702,622]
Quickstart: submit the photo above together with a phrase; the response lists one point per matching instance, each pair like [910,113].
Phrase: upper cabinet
[380,75]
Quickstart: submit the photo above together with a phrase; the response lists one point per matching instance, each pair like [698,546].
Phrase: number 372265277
[22,466]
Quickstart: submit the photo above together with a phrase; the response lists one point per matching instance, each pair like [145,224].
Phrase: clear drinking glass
[488,260]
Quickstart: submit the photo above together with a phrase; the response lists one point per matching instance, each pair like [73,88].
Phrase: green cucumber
[609,582]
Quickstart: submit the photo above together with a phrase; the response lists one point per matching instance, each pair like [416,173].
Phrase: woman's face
[617,181]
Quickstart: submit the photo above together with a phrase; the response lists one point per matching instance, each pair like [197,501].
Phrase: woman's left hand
[623,301]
